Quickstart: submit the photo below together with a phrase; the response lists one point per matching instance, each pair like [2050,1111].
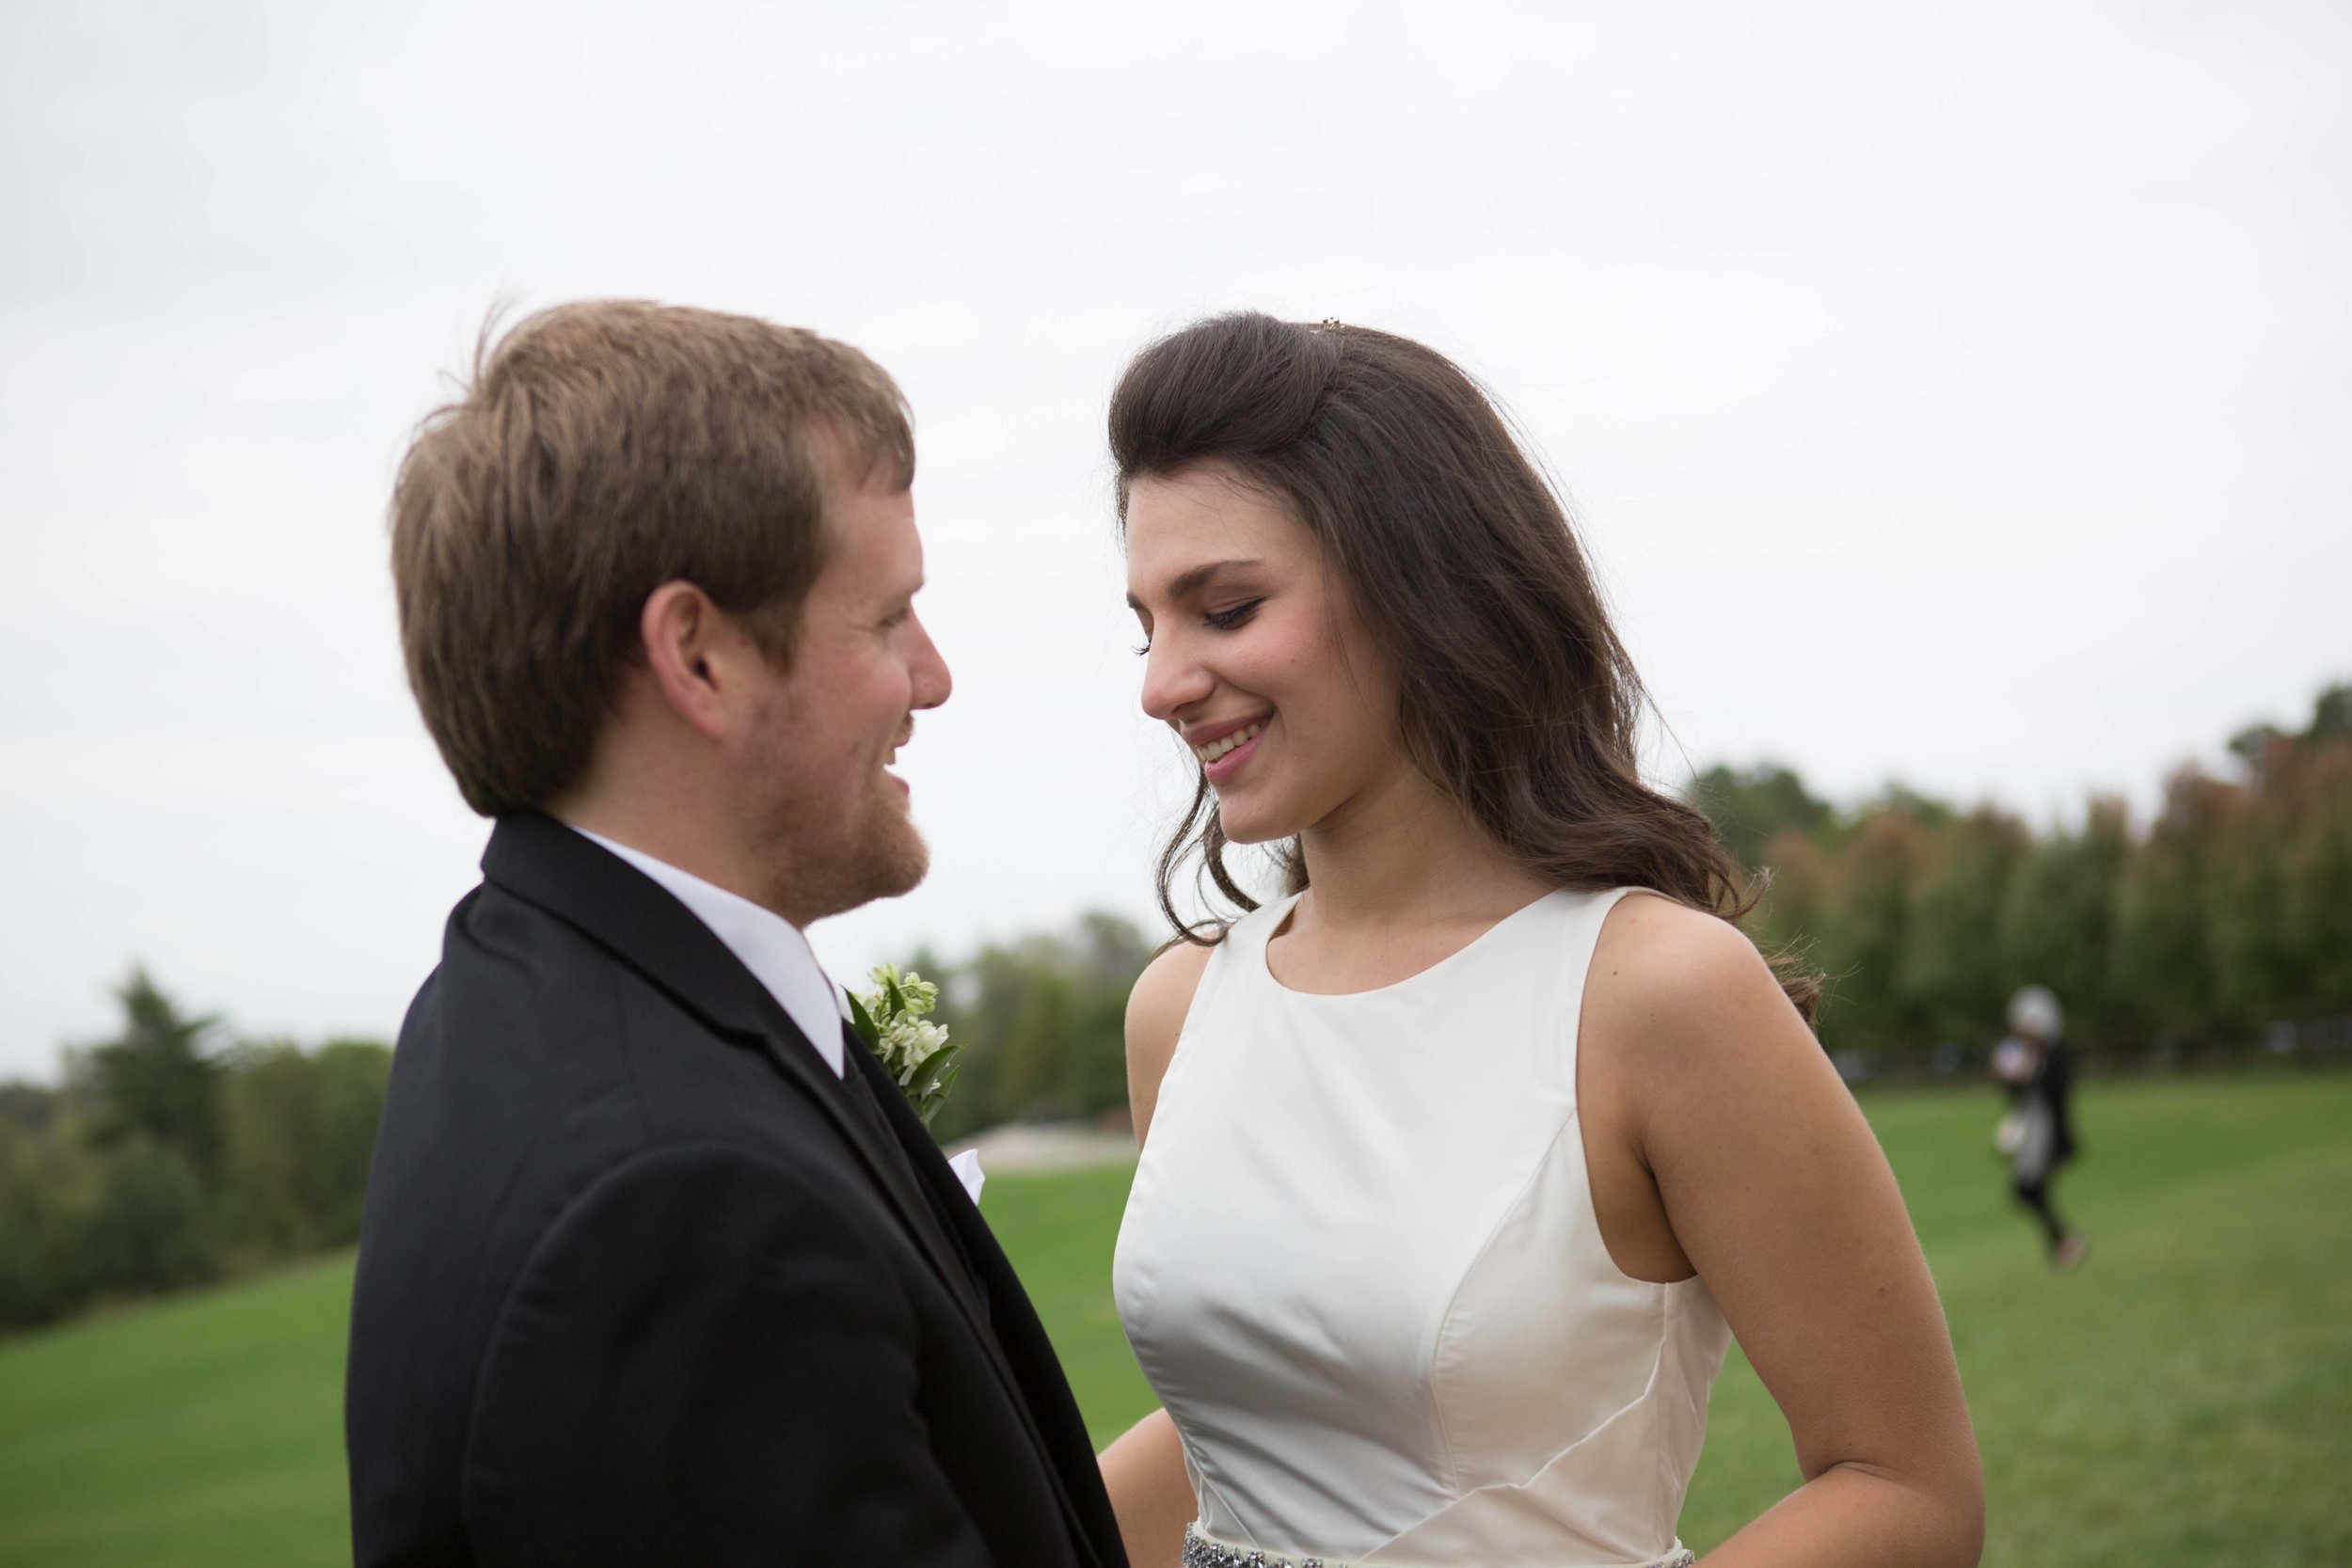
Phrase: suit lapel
[628,912]
[635,918]
[1016,1336]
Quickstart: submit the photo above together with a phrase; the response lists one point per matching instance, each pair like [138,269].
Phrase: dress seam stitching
[1572,1009]
[1510,1211]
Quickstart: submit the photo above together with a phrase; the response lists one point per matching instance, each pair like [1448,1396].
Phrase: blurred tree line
[2229,915]
[168,1156]
[1042,1022]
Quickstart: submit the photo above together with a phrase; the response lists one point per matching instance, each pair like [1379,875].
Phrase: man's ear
[688,648]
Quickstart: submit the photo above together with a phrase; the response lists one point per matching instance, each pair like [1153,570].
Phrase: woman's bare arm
[1156,1018]
[1772,1185]
[1144,1470]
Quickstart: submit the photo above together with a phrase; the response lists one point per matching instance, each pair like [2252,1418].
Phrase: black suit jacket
[641,1280]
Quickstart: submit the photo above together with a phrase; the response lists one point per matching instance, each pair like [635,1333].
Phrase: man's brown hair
[602,450]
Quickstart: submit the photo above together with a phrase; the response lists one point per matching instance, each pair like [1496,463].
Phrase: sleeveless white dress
[1360,1267]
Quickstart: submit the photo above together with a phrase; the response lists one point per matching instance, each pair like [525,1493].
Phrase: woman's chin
[1249,826]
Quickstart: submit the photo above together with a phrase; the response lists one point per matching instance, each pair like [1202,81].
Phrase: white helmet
[2035,1011]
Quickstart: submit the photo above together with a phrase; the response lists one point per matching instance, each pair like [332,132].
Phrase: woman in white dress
[1463,1160]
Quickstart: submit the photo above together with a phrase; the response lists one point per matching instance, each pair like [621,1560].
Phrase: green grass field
[2185,1399]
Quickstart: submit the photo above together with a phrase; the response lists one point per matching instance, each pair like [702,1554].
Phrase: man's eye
[1225,619]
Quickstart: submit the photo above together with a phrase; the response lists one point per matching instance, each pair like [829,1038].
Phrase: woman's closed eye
[1218,619]
[1226,620]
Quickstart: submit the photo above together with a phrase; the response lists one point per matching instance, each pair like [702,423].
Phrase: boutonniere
[893,1019]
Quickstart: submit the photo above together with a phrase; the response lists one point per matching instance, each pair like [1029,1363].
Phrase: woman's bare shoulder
[1684,982]
[1156,1009]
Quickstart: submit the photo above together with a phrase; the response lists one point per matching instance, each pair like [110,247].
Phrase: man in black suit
[658,1266]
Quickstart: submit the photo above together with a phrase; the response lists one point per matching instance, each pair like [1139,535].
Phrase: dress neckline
[1282,913]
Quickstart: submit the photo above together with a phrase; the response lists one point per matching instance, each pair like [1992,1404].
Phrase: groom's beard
[825,857]
[885,856]
[877,859]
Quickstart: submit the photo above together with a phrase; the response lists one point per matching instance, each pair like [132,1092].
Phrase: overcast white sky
[1951,392]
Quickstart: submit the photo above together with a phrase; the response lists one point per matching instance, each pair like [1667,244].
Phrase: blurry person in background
[2038,1132]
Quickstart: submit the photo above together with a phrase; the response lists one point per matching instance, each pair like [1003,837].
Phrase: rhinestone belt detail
[1201,1552]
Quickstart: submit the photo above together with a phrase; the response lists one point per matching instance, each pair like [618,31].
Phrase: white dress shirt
[779,957]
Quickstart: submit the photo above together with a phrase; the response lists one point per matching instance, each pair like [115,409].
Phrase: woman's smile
[1225,755]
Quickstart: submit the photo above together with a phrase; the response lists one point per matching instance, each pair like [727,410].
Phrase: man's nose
[932,683]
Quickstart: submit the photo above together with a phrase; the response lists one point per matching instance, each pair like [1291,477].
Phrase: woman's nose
[1172,681]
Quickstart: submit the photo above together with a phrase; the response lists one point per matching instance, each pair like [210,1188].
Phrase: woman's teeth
[1216,749]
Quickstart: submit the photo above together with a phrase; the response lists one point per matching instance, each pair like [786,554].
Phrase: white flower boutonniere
[893,1019]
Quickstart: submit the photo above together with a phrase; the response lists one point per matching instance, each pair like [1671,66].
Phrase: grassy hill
[2185,1399]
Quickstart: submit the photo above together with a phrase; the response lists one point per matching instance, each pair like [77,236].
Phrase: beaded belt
[1201,1552]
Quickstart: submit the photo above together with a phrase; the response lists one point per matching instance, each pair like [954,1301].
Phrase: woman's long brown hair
[1514,694]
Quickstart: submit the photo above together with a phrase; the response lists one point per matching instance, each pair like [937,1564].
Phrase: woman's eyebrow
[1192,579]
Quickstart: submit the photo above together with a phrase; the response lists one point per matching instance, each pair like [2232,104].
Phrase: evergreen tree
[157,1079]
